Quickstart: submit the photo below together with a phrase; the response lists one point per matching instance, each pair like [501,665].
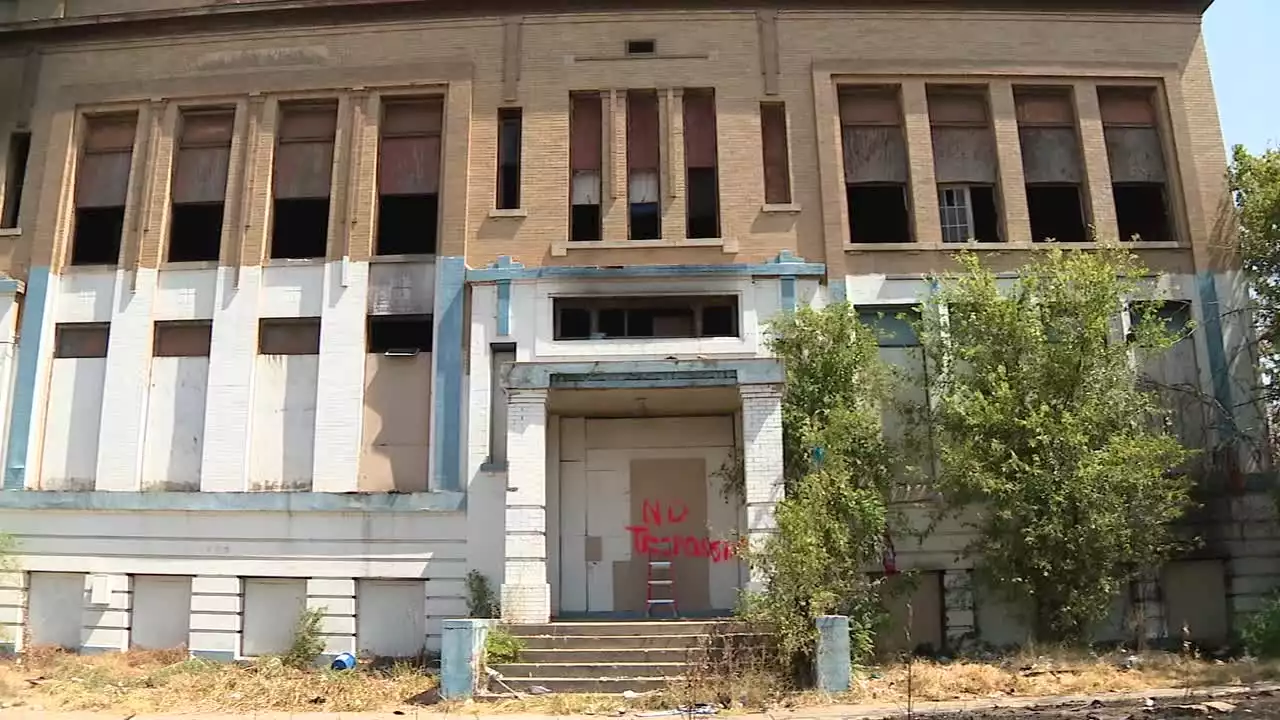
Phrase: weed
[501,647]
[307,643]
[1261,634]
[482,602]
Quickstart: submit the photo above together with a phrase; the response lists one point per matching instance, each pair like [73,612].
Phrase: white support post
[526,595]
[762,462]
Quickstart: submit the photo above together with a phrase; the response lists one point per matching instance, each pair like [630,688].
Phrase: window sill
[893,247]
[405,258]
[785,208]
[562,247]
[295,262]
[493,467]
[190,265]
[10,232]
[508,213]
[1002,246]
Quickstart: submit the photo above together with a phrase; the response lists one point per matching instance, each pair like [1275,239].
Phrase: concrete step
[601,686]
[612,642]
[634,628]
[573,655]
[590,670]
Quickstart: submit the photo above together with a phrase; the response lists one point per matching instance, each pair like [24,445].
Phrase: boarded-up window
[182,339]
[643,186]
[1136,155]
[303,171]
[1051,163]
[289,336]
[102,186]
[409,176]
[701,182]
[777,159]
[200,184]
[964,161]
[875,164]
[15,177]
[585,156]
[81,340]
[510,140]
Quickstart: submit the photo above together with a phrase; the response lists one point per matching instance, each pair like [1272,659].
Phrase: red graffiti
[644,541]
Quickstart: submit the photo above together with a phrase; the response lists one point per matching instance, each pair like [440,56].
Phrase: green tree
[837,470]
[1047,441]
[1255,185]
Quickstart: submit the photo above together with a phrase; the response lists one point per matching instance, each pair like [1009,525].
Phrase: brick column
[762,461]
[526,595]
[957,598]
[1097,164]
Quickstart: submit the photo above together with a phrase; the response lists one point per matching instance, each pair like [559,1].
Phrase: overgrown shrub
[502,647]
[1261,634]
[838,472]
[307,643]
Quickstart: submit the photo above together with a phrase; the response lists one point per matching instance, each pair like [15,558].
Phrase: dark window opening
[986,223]
[646,317]
[878,213]
[400,334]
[1141,211]
[777,161]
[196,232]
[96,239]
[509,131]
[407,224]
[300,228]
[289,336]
[642,47]
[1056,213]
[704,201]
[15,178]
[584,223]
[646,221]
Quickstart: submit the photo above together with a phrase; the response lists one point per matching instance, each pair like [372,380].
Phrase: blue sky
[1242,37]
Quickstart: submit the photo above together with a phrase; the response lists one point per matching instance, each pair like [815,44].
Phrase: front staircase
[611,657]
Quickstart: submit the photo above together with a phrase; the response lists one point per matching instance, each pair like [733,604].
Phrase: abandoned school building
[268,262]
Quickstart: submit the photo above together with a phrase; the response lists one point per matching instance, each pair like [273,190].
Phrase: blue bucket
[345,661]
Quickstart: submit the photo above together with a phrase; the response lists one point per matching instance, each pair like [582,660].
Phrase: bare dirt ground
[1261,704]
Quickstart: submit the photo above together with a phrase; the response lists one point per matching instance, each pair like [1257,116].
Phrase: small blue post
[835,667]
[462,657]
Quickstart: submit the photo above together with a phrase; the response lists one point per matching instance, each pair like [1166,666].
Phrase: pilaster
[762,461]
[526,595]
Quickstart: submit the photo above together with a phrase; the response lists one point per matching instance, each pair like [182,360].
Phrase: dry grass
[143,682]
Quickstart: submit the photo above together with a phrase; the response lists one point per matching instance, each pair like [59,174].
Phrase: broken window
[643,188]
[702,198]
[289,336]
[777,160]
[601,318]
[509,142]
[875,164]
[409,176]
[200,185]
[15,177]
[1051,164]
[183,338]
[964,161]
[81,340]
[303,171]
[1136,156]
[400,334]
[585,143]
[101,189]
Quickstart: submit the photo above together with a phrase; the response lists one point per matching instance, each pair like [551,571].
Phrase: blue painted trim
[24,392]
[788,289]
[235,501]
[504,308]
[785,265]
[1212,310]
[838,290]
[11,286]
[451,275]
[214,655]
[652,373]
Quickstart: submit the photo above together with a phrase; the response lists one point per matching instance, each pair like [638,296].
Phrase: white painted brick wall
[229,404]
[340,384]
[526,596]
[762,461]
[124,399]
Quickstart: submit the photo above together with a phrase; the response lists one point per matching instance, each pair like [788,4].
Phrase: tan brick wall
[560,54]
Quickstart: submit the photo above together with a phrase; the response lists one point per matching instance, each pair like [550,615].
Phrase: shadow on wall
[397,415]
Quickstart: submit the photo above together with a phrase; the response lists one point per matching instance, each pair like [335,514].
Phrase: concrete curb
[829,712]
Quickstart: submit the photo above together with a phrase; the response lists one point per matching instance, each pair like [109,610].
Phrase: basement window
[1056,213]
[400,335]
[1141,211]
[603,318]
[878,213]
